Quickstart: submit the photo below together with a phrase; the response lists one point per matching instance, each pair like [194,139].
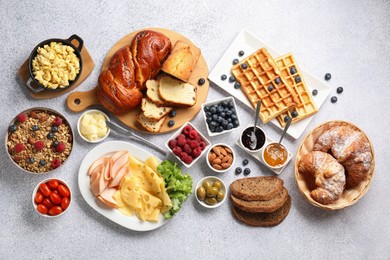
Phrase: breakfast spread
[55,65]
[220,157]
[210,192]
[93,125]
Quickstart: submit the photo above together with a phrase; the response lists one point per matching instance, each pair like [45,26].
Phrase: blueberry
[277,81]
[333,99]
[223,114]
[235,61]
[228,113]
[208,119]
[213,124]
[233,117]
[31,160]
[294,114]
[245,162]
[298,79]
[232,79]
[171,123]
[219,109]
[42,162]
[225,123]
[223,77]
[172,113]
[229,119]
[286,118]
[247,171]
[229,126]
[201,81]
[212,129]
[244,66]
[54,144]
[241,53]
[238,170]
[340,90]
[233,110]
[35,128]
[236,123]
[219,119]
[50,135]
[237,85]
[208,114]
[315,92]
[231,104]
[54,128]
[12,128]
[270,88]
[224,103]
[214,117]
[205,109]
[213,110]
[219,129]
[328,76]
[293,70]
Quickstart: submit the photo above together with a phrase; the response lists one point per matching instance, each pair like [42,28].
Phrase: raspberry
[187,159]
[183,154]
[55,163]
[19,147]
[193,134]
[187,130]
[194,144]
[60,148]
[39,145]
[172,143]
[22,118]
[57,121]
[181,142]
[177,151]
[181,136]
[196,152]
[202,145]
[187,149]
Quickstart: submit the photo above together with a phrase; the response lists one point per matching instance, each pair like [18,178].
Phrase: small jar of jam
[246,140]
[274,156]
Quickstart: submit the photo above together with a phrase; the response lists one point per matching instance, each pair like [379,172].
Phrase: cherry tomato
[55,210]
[65,203]
[47,202]
[55,191]
[45,189]
[63,191]
[53,184]
[42,209]
[39,197]
[55,198]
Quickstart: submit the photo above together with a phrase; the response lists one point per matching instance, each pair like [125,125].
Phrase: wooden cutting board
[79,101]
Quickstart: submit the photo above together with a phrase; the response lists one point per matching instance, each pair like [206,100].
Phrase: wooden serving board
[88,66]
[79,101]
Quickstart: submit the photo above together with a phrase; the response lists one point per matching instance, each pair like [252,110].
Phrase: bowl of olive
[210,192]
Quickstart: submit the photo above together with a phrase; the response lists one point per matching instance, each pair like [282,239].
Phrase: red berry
[196,152]
[183,154]
[55,163]
[187,149]
[194,144]
[193,134]
[57,121]
[181,142]
[22,118]
[187,130]
[60,147]
[39,145]
[172,143]
[187,159]
[177,151]
[19,147]
[202,145]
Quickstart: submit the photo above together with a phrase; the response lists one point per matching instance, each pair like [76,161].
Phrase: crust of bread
[177,93]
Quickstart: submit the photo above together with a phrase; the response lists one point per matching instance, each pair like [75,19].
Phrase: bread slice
[261,205]
[256,188]
[152,92]
[177,93]
[263,219]
[151,111]
[150,124]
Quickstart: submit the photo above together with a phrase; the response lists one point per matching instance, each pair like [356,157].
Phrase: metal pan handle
[31,88]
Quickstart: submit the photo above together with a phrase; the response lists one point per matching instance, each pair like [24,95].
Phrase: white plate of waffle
[247,42]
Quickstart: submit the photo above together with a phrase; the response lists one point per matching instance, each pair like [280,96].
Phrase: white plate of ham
[87,189]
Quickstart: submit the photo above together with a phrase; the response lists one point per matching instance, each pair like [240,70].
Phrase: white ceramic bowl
[215,102]
[224,170]
[79,126]
[177,133]
[37,188]
[211,179]
[257,150]
[275,167]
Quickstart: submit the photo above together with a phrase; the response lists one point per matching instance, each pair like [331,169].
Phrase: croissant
[121,84]
[351,148]
[329,176]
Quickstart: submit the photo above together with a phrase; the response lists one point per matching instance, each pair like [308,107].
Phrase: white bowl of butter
[92,126]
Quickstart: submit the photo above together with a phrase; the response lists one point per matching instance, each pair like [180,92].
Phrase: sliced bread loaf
[152,111]
[177,93]
[150,124]
[263,219]
[256,188]
[261,205]
[152,92]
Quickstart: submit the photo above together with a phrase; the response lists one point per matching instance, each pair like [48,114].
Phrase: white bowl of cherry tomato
[51,198]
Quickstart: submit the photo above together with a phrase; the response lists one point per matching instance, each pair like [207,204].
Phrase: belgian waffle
[260,78]
[306,106]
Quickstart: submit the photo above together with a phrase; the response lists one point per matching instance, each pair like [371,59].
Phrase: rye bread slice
[261,205]
[263,219]
[256,188]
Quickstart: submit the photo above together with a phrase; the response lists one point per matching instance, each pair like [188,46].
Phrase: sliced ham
[119,163]
[118,154]
[117,179]
[95,164]
[107,198]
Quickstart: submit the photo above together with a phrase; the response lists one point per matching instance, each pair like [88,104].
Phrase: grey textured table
[350,39]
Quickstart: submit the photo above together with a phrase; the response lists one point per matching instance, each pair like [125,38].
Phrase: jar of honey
[274,156]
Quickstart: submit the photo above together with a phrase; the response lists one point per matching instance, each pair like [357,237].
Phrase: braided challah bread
[121,84]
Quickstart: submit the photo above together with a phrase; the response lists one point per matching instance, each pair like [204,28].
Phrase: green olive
[201,193]
[206,185]
[217,184]
[210,201]
[212,192]
[220,196]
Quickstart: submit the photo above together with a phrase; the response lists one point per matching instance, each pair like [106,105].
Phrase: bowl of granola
[39,140]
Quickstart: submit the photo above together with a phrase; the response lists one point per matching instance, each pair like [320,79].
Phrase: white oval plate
[114,215]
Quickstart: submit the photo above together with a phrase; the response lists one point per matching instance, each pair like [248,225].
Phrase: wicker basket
[306,183]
